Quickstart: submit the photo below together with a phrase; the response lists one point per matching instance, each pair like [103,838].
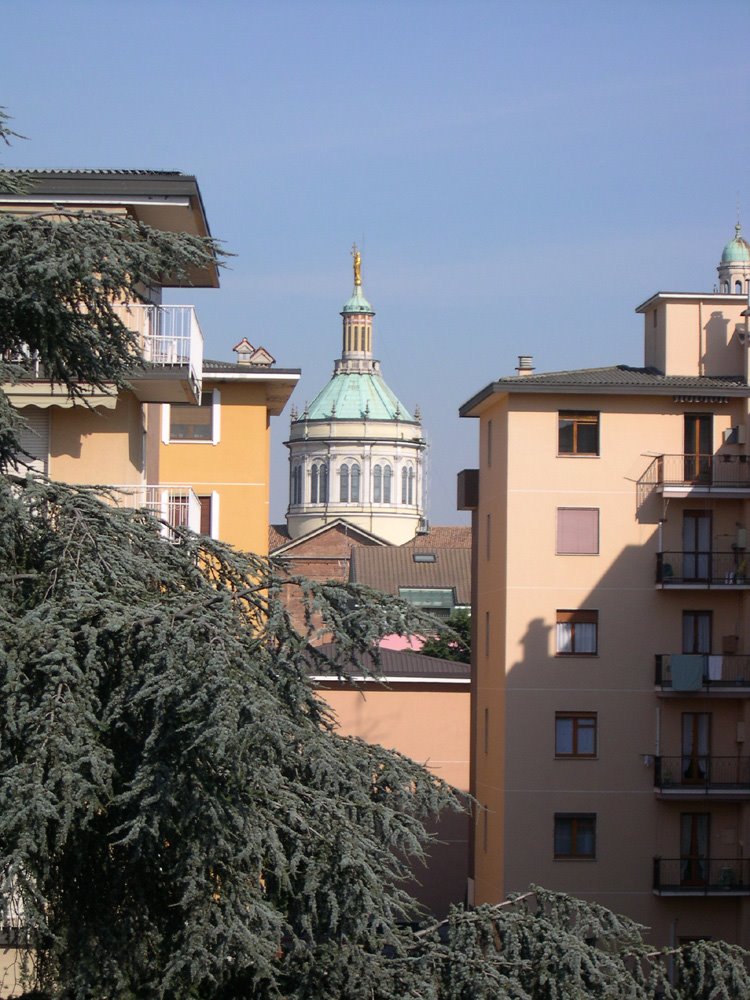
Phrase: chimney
[525,364]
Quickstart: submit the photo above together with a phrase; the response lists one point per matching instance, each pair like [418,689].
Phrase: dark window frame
[578,825]
[579,616]
[579,421]
[582,721]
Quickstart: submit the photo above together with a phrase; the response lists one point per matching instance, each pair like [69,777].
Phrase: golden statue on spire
[357,265]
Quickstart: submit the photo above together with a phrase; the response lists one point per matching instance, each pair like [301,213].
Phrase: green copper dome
[357,303]
[737,251]
[352,395]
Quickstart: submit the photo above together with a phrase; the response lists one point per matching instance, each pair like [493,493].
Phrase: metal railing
[703,470]
[718,670]
[176,506]
[705,567]
[702,772]
[168,336]
[704,876]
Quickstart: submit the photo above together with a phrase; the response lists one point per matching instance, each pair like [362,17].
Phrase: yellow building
[189,438]
[220,451]
[611,694]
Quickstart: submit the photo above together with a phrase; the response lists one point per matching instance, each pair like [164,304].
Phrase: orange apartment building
[189,438]
[611,612]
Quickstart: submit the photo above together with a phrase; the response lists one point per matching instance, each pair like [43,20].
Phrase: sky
[518,175]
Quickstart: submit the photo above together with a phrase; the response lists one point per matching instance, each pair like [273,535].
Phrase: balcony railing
[701,569]
[176,506]
[696,876]
[702,671]
[168,336]
[719,471]
[703,774]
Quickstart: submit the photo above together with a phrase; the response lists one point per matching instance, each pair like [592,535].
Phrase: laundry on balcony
[687,671]
[715,664]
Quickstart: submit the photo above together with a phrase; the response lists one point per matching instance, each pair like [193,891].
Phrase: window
[297,484]
[205,523]
[696,631]
[382,477]
[489,443]
[344,484]
[578,531]
[438,601]
[575,835]
[407,485]
[319,483]
[193,423]
[387,477]
[575,734]
[577,633]
[577,433]
[354,494]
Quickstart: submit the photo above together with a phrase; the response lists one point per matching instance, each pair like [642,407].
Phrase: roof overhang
[166,200]
[279,383]
[718,298]
[478,403]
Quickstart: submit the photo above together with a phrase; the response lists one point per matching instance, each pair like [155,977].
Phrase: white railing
[169,336]
[177,506]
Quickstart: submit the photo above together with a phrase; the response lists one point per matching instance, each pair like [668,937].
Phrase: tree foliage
[178,813]
[452,642]
[179,817]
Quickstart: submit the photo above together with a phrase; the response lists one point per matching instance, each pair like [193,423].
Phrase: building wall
[103,447]
[522,683]
[694,334]
[234,471]
[428,722]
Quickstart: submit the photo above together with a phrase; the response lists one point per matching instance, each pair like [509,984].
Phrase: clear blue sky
[520,175]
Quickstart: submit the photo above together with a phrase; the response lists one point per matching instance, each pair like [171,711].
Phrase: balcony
[690,776]
[174,506]
[722,475]
[171,346]
[702,570]
[696,876]
[715,674]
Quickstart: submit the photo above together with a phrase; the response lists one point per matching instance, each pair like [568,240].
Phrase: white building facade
[356,453]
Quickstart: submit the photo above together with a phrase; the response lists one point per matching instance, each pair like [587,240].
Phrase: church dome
[359,304]
[737,251]
[357,395]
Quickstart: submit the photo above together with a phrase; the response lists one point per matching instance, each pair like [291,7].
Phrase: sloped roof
[610,380]
[391,567]
[397,664]
[278,535]
[442,536]
[210,365]
[357,537]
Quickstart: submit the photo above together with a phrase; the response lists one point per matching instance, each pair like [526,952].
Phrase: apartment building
[189,437]
[611,613]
